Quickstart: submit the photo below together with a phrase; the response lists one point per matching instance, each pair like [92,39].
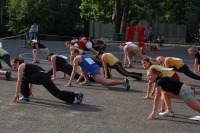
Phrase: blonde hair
[154,71]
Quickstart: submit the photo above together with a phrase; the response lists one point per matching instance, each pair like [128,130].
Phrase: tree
[53,17]
[168,11]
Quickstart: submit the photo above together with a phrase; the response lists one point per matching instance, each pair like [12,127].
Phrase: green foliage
[51,16]
[97,10]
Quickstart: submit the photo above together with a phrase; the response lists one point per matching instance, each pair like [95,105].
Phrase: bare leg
[167,100]
[99,79]
[93,50]
[194,104]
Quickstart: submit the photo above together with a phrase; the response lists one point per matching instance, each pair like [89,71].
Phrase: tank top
[111,59]
[175,62]
[163,70]
[39,45]
[31,68]
[60,62]
[88,65]
[169,84]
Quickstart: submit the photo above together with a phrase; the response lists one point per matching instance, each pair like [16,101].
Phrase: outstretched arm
[75,65]
[155,104]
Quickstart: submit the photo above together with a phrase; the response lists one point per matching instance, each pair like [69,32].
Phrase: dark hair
[100,53]
[50,54]
[76,51]
[15,60]
[147,60]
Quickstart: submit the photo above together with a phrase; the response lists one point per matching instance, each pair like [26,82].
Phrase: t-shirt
[130,48]
[111,59]
[169,84]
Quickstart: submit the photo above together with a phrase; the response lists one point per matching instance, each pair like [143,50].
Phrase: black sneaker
[26,99]
[79,98]
[126,84]
[8,75]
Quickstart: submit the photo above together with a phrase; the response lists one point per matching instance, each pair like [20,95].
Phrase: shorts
[175,76]
[95,73]
[88,45]
[186,94]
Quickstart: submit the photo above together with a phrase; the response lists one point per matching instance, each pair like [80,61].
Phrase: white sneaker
[167,113]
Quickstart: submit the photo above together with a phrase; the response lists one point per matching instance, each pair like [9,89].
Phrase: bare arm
[37,52]
[75,65]
[195,65]
[155,104]
[53,62]
[19,81]
[105,66]
[166,62]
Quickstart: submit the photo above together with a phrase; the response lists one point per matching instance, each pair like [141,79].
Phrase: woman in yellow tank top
[110,61]
[178,65]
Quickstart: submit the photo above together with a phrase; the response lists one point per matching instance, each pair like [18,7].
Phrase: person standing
[141,35]
[130,32]
[29,74]
[150,35]
[33,32]
[38,48]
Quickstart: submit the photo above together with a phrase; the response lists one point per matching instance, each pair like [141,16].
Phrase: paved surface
[104,109]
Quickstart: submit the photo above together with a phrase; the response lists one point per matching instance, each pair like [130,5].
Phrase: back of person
[130,47]
[31,68]
[60,62]
[175,62]
[88,65]
[111,59]
[39,45]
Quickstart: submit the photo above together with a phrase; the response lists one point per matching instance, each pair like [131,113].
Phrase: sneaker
[167,113]
[126,84]
[85,83]
[8,75]
[26,99]
[79,98]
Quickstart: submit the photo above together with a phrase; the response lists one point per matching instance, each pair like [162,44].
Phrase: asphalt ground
[103,110]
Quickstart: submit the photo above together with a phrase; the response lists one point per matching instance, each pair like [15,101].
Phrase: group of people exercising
[161,73]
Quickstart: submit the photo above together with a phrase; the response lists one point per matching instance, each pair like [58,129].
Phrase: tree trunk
[117,16]
[124,17]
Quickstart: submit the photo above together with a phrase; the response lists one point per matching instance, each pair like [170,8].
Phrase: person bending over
[171,88]
[29,73]
[90,68]
[178,65]
[110,61]
[37,49]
